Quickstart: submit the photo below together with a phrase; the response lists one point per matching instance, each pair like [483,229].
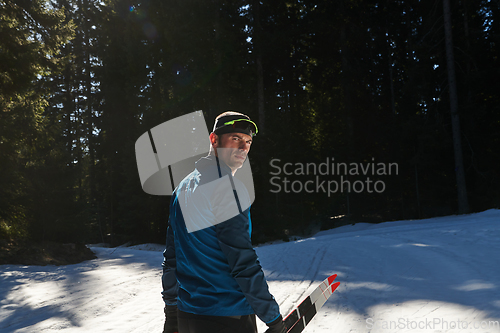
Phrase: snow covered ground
[434,275]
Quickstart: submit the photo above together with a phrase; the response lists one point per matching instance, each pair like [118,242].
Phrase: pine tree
[33,33]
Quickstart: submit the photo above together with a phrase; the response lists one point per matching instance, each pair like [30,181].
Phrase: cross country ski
[297,320]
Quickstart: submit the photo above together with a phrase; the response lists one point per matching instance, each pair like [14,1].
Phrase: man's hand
[170,325]
[277,326]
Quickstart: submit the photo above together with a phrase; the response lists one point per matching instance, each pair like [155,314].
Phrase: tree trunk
[257,40]
[260,94]
[463,204]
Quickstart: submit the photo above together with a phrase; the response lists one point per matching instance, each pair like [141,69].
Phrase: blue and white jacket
[213,271]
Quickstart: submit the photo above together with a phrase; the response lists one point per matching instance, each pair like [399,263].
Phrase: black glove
[170,319]
[277,326]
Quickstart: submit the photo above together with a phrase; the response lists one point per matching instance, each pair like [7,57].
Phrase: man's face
[235,148]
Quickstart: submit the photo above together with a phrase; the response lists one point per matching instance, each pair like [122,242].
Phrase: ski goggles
[242,125]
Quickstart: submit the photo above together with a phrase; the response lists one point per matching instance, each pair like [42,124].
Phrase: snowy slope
[435,275]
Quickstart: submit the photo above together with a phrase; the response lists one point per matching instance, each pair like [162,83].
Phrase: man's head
[231,138]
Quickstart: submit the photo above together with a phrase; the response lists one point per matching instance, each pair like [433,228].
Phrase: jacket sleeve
[234,240]
[169,279]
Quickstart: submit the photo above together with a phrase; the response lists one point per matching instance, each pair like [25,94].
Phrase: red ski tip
[331,278]
[334,286]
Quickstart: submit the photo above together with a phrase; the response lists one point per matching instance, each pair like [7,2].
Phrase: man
[212,279]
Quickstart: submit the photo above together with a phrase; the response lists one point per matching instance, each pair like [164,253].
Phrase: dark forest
[360,86]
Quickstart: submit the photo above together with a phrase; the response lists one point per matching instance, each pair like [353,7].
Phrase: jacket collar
[212,161]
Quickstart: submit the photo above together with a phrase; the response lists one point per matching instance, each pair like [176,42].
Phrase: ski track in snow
[433,275]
